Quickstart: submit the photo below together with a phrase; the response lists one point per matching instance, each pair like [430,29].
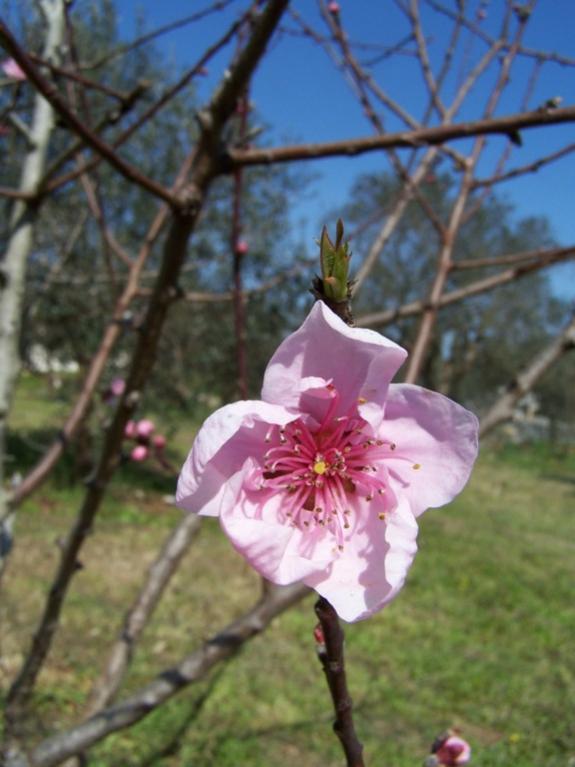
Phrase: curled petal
[436,445]
[373,566]
[360,363]
[226,439]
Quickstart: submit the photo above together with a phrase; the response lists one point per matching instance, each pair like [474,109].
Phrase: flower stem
[330,653]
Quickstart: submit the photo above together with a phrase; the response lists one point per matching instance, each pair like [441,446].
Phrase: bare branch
[332,660]
[165,291]
[525,380]
[50,93]
[191,669]
[404,139]
[412,309]
[138,616]
[521,170]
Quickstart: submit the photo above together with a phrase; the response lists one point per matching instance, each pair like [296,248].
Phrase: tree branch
[508,125]
[378,319]
[50,93]
[333,663]
[525,380]
[191,669]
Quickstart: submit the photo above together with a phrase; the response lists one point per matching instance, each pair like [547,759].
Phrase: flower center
[323,472]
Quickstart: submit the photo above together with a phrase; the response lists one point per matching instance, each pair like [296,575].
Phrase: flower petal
[434,434]
[372,568]
[269,541]
[225,440]
[359,362]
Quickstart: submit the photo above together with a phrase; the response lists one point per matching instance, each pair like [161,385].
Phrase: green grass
[481,637]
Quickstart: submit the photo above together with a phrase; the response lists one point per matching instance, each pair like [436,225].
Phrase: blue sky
[301,96]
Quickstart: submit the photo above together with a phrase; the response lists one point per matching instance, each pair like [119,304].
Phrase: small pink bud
[145,427]
[130,430]
[453,751]
[12,69]
[333,8]
[159,441]
[139,453]
[117,387]
[242,247]
[318,634]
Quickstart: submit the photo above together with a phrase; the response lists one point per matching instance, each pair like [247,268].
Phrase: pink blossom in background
[130,430]
[322,479]
[159,441]
[139,453]
[144,428]
[117,387]
[13,70]
[333,7]
[453,751]
[242,247]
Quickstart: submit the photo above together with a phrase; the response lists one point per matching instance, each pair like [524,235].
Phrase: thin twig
[332,660]
[525,380]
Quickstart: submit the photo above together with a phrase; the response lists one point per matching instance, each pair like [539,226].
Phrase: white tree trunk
[14,263]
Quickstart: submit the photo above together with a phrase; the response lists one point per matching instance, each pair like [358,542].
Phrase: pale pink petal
[360,363]
[13,70]
[229,436]
[373,565]
[433,434]
[139,453]
[145,427]
[269,541]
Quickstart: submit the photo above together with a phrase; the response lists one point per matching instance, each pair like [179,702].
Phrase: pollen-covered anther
[369,497]
[381,490]
[416,466]
[361,400]
[381,515]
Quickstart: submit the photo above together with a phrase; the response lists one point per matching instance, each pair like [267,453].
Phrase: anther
[416,466]
[381,516]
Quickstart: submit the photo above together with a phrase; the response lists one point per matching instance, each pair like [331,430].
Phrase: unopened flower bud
[333,7]
[13,70]
[130,430]
[242,247]
[334,259]
[117,387]
[318,634]
[451,750]
[159,441]
[139,453]
[145,427]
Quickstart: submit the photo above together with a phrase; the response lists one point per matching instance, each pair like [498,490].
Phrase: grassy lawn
[481,637]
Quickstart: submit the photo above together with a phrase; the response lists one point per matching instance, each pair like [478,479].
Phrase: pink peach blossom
[322,479]
[159,441]
[13,70]
[130,430]
[454,751]
[139,453]
[117,387]
[145,427]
